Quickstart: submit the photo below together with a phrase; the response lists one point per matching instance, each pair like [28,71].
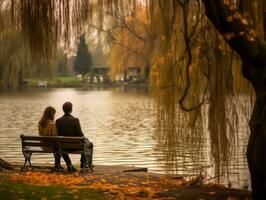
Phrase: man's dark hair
[67,107]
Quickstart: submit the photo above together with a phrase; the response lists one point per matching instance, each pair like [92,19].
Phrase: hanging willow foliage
[12,53]
[43,22]
[188,73]
[16,59]
[176,79]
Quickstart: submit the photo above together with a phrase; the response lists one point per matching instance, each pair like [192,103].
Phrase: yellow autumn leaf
[251,39]
[237,15]
[229,36]
[229,19]
[244,21]
[232,198]
[212,193]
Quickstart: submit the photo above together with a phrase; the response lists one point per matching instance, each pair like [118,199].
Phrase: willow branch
[188,50]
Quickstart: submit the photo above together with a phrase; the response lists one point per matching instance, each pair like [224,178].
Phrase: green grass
[9,191]
[61,81]
[67,79]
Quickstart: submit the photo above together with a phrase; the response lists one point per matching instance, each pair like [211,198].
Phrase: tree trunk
[125,75]
[5,165]
[253,55]
[264,18]
[20,79]
[256,152]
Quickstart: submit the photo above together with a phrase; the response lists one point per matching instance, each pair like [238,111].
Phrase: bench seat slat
[53,145]
[49,151]
[38,144]
[39,150]
[54,138]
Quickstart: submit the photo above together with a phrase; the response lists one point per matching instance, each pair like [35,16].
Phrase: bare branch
[123,24]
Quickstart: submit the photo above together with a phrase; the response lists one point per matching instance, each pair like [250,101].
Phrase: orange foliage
[115,185]
[133,43]
[118,186]
[41,178]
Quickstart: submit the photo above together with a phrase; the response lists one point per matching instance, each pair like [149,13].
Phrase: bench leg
[91,168]
[86,157]
[57,166]
[27,156]
[86,162]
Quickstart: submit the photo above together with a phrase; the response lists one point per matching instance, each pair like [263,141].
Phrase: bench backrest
[59,142]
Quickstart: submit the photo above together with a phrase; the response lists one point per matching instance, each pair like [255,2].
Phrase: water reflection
[121,124]
[188,150]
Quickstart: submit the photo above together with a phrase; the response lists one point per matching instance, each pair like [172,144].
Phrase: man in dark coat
[67,125]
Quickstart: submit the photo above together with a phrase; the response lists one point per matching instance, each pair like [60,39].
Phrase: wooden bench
[57,145]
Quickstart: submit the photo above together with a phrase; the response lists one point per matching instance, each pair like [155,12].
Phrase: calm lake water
[121,124]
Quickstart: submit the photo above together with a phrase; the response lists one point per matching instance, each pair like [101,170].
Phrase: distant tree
[83,60]
[132,42]
[62,64]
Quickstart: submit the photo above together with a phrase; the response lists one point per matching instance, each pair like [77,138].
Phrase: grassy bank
[21,191]
[67,82]
[70,81]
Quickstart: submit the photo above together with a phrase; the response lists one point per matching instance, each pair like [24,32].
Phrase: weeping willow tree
[188,74]
[182,78]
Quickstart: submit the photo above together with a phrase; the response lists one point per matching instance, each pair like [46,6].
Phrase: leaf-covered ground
[108,184]
[17,191]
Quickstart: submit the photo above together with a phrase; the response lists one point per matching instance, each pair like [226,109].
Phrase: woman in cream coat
[47,127]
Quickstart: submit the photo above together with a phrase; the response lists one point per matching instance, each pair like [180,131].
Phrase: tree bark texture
[252,51]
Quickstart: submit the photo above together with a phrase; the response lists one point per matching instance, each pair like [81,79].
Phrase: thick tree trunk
[256,151]
[264,18]
[241,37]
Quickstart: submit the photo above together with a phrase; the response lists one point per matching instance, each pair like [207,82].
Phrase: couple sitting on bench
[67,125]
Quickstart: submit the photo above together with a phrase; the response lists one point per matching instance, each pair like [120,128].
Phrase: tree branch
[185,8]
[236,30]
[115,42]
[123,24]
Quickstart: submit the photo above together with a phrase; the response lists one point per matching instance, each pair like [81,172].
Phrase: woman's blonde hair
[48,114]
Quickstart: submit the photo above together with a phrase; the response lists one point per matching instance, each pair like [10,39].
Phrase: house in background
[133,74]
[100,74]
